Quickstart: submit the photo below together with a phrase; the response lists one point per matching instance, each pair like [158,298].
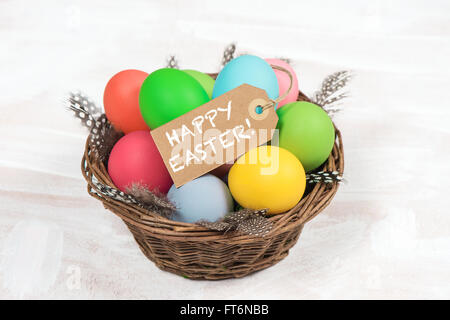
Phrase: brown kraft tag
[215,133]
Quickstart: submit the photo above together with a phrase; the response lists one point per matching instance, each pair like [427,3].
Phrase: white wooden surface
[385,235]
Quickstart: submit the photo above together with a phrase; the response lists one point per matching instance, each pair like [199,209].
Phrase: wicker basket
[198,253]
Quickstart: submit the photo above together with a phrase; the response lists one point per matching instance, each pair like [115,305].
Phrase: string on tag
[273,102]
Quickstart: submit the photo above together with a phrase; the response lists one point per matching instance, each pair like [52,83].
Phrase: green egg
[167,94]
[307,131]
[206,81]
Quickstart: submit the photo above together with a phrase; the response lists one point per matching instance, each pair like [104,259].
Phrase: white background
[385,235]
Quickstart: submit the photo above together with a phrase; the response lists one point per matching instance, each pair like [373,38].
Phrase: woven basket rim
[307,208]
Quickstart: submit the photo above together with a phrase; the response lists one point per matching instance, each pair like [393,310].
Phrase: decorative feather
[103,137]
[172,63]
[152,201]
[109,192]
[329,94]
[287,60]
[84,108]
[324,176]
[138,195]
[255,226]
[247,221]
[228,53]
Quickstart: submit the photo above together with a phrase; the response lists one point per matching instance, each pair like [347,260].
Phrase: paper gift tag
[215,133]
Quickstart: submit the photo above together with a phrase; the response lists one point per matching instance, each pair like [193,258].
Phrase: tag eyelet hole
[259,110]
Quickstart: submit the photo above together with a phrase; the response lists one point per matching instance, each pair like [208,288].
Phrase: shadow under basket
[195,252]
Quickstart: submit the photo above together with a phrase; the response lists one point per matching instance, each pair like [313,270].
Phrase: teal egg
[247,69]
[205,198]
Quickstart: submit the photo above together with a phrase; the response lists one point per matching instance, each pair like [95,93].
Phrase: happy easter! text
[201,140]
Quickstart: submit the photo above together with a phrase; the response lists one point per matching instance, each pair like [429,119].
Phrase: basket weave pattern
[198,253]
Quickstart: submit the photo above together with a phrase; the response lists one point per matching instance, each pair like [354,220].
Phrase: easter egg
[121,101]
[246,69]
[167,94]
[205,198]
[135,159]
[267,177]
[206,81]
[307,131]
[284,81]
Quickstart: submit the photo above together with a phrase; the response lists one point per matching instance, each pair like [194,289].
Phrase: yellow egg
[267,177]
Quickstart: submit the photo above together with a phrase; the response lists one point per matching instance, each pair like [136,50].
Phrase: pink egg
[283,81]
[136,159]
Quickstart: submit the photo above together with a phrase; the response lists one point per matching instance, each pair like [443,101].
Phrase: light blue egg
[247,69]
[205,198]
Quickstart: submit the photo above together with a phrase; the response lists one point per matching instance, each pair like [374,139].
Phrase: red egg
[121,100]
[135,159]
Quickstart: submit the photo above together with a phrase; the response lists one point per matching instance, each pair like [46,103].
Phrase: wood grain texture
[385,235]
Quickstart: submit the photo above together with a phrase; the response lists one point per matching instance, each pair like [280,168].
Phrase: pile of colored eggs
[265,177]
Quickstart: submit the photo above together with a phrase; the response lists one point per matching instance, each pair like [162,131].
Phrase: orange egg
[121,101]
